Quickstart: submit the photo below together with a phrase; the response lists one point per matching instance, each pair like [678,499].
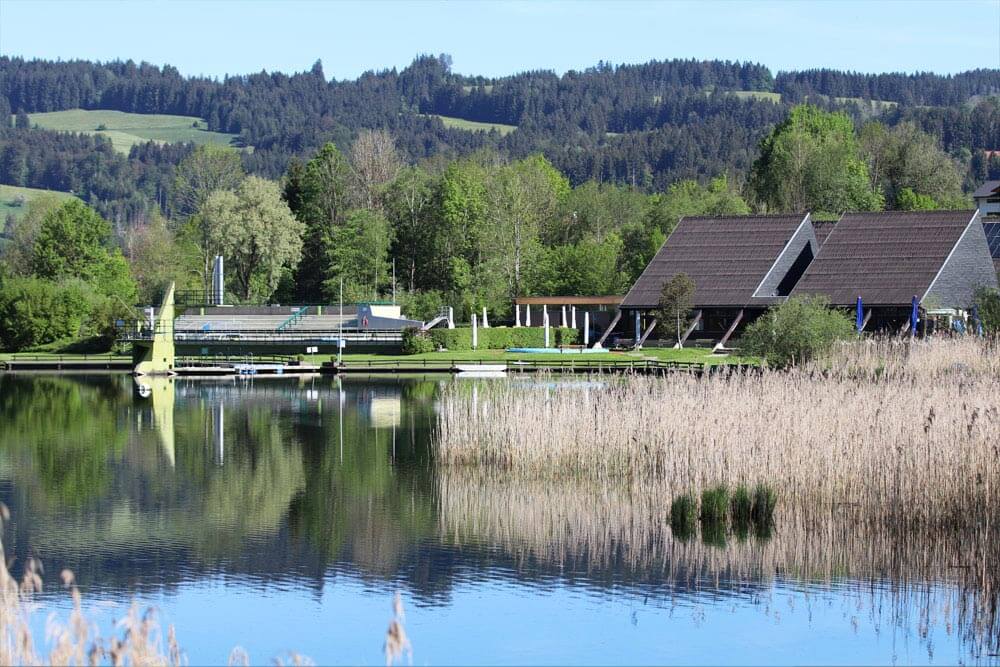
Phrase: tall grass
[907,433]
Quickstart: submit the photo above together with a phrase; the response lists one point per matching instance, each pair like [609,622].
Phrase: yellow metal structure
[155,356]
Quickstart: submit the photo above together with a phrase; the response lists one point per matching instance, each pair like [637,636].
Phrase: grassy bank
[905,431]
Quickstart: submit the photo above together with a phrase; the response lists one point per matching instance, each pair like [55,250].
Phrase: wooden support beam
[732,327]
[690,330]
[607,332]
[645,334]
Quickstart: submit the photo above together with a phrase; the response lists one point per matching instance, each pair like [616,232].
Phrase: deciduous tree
[256,233]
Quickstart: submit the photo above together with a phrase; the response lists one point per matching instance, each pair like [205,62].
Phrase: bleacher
[286,323]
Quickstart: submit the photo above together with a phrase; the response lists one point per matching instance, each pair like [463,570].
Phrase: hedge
[493,338]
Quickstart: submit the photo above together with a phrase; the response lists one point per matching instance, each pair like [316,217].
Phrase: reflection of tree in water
[355,507]
[66,431]
[608,533]
[280,494]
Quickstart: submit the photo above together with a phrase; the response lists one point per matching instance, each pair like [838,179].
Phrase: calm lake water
[284,514]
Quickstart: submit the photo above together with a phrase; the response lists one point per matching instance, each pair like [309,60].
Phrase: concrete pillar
[451,317]
[586,328]
[475,337]
[572,316]
[517,315]
[486,322]
[564,322]
[545,323]
[527,315]
[545,313]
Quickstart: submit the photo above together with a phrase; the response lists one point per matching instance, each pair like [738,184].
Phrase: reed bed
[905,434]
[948,577]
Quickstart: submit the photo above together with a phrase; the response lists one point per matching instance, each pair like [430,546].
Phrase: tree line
[645,126]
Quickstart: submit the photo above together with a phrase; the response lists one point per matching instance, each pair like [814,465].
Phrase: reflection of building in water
[384,411]
[219,433]
[159,391]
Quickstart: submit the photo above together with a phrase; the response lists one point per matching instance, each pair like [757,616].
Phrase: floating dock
[246,369]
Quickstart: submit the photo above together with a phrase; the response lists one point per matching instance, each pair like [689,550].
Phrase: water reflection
[284,486]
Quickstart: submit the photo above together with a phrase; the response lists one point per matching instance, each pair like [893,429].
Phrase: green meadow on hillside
[474,126]
[14,200]
[127,129]
[757,95]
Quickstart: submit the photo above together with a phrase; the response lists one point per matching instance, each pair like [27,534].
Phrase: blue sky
[494,38]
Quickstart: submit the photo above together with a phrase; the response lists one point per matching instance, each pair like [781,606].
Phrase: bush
[741,506]
[988,303]
[715,504]
[35,312]
[416,341]
[501,338]
[798,330]
[683,513]
[765,499]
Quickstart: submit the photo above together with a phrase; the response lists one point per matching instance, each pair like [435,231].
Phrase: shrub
[715,504]
[741,506]
[683,513]
[796,331]
[501,338]
[35,312]
[988,303]
[416,341]
[765,499]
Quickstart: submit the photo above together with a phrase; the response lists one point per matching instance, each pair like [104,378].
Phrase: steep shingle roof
[823,229]
[986,189]
[726,256]
[886,258]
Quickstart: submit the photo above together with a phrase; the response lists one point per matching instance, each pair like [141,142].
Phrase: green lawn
[444,359]
[11,198]
[473,126]
[127,129]
[693,355]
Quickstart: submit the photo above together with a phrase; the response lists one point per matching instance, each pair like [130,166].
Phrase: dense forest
[645,125]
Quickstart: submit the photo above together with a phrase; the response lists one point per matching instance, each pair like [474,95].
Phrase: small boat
[481,368]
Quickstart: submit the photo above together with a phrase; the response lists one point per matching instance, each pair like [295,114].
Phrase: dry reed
[587,525]
[905,433]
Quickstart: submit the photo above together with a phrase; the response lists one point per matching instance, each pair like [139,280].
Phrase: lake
[284,514]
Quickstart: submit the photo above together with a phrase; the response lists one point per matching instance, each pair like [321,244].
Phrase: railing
[293,318]
[262,335]
[42,356]
[582,365]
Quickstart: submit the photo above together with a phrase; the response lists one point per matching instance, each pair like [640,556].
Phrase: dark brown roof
[823,229]
[727,258]
[886,258]
[986,189]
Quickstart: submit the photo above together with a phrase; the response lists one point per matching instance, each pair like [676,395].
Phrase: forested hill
[644,125]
